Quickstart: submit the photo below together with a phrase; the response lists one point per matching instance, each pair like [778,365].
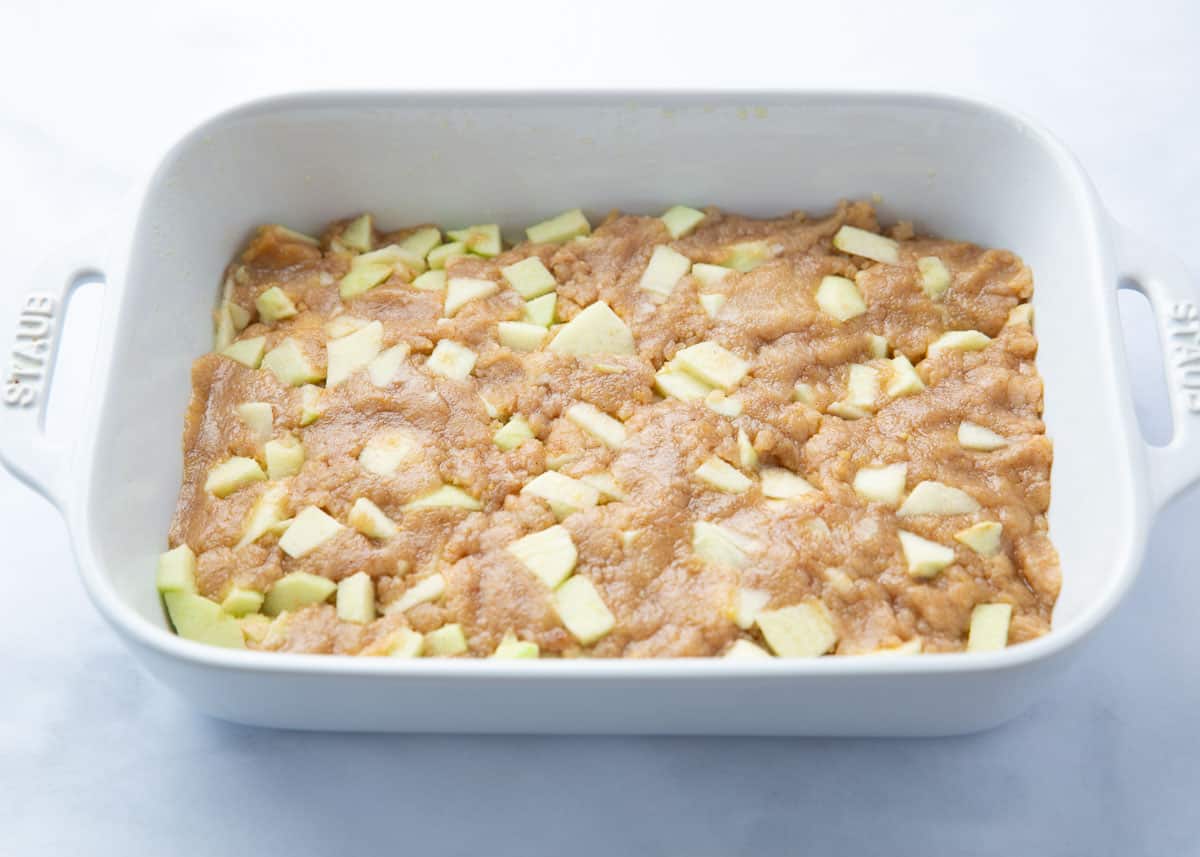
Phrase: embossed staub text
[27,365]
[1183,346]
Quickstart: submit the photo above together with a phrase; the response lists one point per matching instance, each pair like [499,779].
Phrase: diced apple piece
[238,314]
[310,404]
[446,641]
[362,277]
[268,510]
[431,281]
[284,456]
[840,298]
[989,627]
[680,220]
[462,290]
[782,484]
[595,330]
[383,368]
[747,455]
[882,484]
[356,598]
[713,364]
[529,277]
[564,494]
[403,261]
[862,388]
[550,555]
[747,255]
[296,590]
[224,332]
[860,242]
[422,241]
[370,520]
[451,360]
[511,648]
[750,602]
[666,268]
[521,335]
[445,497]
[935,277]
[904,381]
[609,431]
[719,545]
[976,437]
[176,570]
[983,538]
[712,304]
[936,498]
[540,310]
[239,602]
[564,227]
[441,256]
[723,476]
[232,474]
[406,643]
[582,610]
[385,452]
[290,365]
[353,352]
[309,529]
[196,618]
[422,592]
[248,352]
[709,276]
[924,558]
[259,418]
[482,240]
[908,647]
[274,305]
[744,650]
[1020,314]
[804,393]
[800,631]
[513,433]
[726,406]
[606,485]
[959,340]
[877,345]
[359,233]
[674,383]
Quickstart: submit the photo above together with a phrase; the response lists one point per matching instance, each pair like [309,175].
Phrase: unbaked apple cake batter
[690,435]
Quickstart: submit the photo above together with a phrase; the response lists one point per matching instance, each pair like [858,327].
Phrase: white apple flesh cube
[370,520]
[240,602]
[284,456]
[482,240]
[726,406]
[521,335]
[978,438]
[680,220]
[983,538]
[511,648]
[747,455]
[747,255]
[274,305]
[609,431]
[232,474]
[959,340]
[176,570]
[877,345]
[289,364]
[804,393]
[530,277]
[358,234]
[881,484]
[582,610]
[549,555]
[362,277]
[606,485]
[310,404]
[666,268]
[711,304]
[445,497]
[674,383]
[840,298]
[564,494]
[540,310]
[308,531]
[442,255]
[406,643]
[248,352]
[259,418]
[723,476]
[296,590]
[936,498]
[385,452]
[462,290]
[267,511]
[989,627]
[744,650]
[904,381]
[860,242]
[356,598]
[595,330]
[710,276]
[431,281]
[564,227]
[382,370]
[935,277]
[799,631]
[780,483]
[749,603]
[513,433]
[196,618]
[451,360]
[446,641]
[1020,314]
[422,592]
[924,558]
[422,241]
[718,545]
[712,364]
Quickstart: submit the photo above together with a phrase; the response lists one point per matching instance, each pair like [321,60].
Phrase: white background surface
[96,758]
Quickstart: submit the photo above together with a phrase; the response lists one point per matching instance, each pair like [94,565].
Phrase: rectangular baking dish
[960,168]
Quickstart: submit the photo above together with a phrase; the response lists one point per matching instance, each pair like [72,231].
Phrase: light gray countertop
[97,758]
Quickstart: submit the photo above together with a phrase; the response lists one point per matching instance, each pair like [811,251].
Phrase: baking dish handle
[25,449]
[1175,298]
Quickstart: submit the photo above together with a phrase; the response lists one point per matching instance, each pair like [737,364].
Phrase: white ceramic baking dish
[960,168]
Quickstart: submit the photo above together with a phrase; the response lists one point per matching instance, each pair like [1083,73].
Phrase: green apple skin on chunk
[359,233]
[196,618]
[595,330]
[483,240]
[564,227]
[422,241]
[441,256]
[176,570]
[296,590]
